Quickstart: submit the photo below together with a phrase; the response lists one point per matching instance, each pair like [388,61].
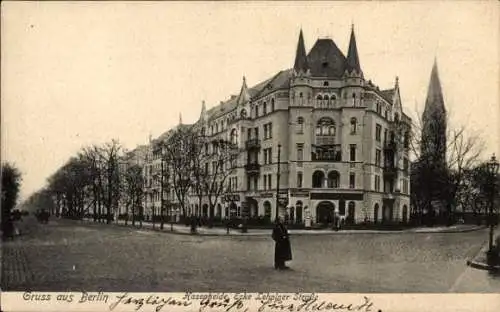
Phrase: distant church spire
[352,54]
[434,121]
[301,63]
[434,92]
[180,118]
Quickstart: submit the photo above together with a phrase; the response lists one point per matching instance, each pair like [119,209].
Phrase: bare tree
[110,153]
[222,163]
[134,193]
[180,153]
[463,150]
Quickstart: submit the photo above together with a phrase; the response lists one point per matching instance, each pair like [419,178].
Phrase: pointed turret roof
[301,63]
[435,98]
[244,94]
[352,54]
[203,113]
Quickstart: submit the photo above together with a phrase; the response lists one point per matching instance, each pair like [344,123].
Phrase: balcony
[252,169]
[327,156]
[252,144]
[390,145]
[325,140]
[390,171]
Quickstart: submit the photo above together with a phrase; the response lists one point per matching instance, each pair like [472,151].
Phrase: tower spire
[203,113]
[301,63]
[434,92]
[352,54]
[180,118]
[434,121]
[244,94]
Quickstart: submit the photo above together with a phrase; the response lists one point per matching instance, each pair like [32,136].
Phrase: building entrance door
[325,213]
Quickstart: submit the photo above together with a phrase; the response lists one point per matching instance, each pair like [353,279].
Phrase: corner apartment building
[342,143]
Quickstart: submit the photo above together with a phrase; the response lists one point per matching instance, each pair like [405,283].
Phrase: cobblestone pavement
[67,255]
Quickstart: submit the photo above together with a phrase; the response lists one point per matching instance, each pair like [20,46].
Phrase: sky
[75,74]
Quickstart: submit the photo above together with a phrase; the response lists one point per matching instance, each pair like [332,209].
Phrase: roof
[278,81]
[388,94]
[352,54]
[301,63]
[326,60]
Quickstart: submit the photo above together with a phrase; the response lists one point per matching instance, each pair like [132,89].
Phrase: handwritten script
[208,302]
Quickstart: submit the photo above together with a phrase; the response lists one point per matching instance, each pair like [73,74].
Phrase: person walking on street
[282,249]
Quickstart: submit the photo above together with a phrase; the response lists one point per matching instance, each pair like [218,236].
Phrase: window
[333,179]
[268,156]
[243,114]
[299,179]
[377,183]
[325,83]
[406,165]
[256,111]
[234,137]
[352,180]
[268,131]
[318,178]
[270,181]
[378,157]
[379,108]
[249,133]
[407,139]
[264,108]
[354,124]
[300,152]
[265,182]
[300,123]
[352,152]
[378,132]
[256,133]
[267,209]
[272,105]
[319,100]
[385,135]
[405,186]
[325,126]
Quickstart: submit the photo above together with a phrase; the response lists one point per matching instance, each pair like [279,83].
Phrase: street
[71,256]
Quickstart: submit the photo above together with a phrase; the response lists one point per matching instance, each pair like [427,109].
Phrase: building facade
[337,144]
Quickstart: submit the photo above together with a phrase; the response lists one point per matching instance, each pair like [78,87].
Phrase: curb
[479,264]
[351,232]
[482,266]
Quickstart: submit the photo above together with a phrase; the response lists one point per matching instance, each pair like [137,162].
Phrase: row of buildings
[338,142]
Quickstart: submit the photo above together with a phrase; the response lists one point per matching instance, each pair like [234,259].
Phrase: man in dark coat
[282,249]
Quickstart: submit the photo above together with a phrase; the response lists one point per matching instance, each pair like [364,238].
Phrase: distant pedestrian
[194,224]
[282,249]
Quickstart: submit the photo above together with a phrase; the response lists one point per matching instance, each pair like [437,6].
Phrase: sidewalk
[217,231]
[479,260]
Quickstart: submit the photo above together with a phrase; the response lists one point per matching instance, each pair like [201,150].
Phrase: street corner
[480,262]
